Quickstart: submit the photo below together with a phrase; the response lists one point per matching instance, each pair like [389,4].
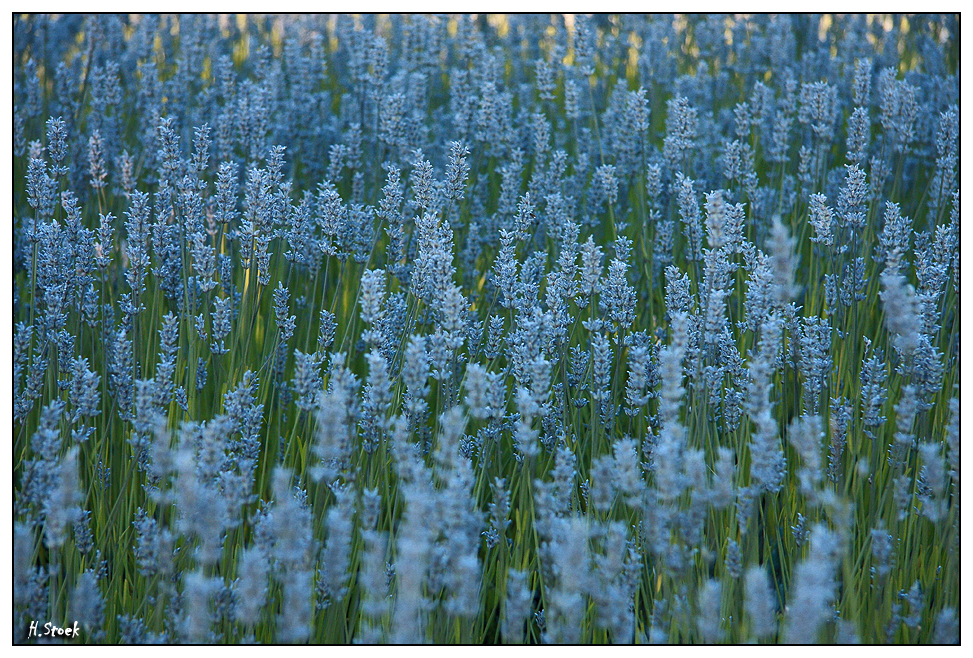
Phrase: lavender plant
[455,329]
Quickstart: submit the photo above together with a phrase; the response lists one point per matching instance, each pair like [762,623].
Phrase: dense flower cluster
[443,329]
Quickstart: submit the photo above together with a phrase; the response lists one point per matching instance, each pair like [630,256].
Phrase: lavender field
[482,329]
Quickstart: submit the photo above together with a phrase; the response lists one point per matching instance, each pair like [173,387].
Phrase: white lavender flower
[894,242]
[252,569]
[618,298]
[307,381]
[708,622]
[859,135]
[636,395]
[84,393]
[88,605]
[784,262]
[62,504]
[821,218]
[333,574]
[814,588]
[818,108]
[691,216]
[517,606]
[901,315]
[457,171]
[372,296]
[899,109]
[198,591]
[335,422]
[760,603]
[767,462]
[681,130]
